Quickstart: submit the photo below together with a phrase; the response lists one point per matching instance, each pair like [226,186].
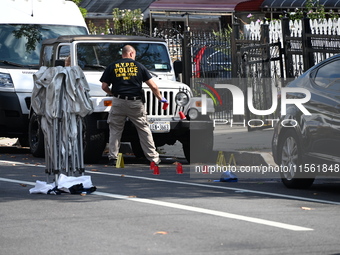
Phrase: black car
[305,146]
[212,62]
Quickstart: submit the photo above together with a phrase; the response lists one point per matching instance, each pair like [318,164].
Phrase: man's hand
[163,100]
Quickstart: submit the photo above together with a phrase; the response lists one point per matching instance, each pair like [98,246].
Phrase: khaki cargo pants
[135,111]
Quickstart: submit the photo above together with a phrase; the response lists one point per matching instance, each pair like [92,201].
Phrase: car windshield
[20,44]
[91,56]
[328,76]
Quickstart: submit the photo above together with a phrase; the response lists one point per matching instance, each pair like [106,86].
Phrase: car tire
[36,136]
[290,158]
[23,140]
[198,150]
[186,149]
[94,140]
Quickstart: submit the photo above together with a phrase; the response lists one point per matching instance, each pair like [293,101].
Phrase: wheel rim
[289,158]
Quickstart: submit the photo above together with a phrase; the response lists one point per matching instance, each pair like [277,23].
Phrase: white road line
[198,185]
[188,208]
[222,187]
[17,181]
[207,211]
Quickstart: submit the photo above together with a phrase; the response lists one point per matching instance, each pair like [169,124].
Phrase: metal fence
[206,61]
[272,50]
[307,42]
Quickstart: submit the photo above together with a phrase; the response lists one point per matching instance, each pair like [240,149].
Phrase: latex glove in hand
[163,100]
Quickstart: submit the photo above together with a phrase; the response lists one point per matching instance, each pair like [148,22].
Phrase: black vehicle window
[63,57]
[328,76]
[64,52]
[152,55]
[21,43]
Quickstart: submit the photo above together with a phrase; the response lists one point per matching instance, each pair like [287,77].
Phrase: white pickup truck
[93,53]
[23,26]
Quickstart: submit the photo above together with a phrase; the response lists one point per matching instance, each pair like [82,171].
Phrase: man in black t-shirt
[126,77]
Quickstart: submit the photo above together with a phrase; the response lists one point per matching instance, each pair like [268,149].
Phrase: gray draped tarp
[61,97]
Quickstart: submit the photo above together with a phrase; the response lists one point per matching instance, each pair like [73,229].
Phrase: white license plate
[160,127]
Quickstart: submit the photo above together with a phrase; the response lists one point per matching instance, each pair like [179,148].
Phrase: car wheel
[186,149]
[23,140]
[36,137]
[290,156]
[198,146]
[94,140]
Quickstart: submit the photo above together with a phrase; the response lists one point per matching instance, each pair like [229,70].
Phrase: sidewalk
[248,148]
[5,141]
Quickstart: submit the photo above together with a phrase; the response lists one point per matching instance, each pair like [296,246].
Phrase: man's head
[128,52]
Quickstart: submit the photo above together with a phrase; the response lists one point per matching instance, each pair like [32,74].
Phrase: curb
[246,158]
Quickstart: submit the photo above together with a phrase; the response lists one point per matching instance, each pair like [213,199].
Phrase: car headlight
[193,113]
[6,80]
[182,99]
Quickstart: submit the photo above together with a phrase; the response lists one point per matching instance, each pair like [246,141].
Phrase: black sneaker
[112,162]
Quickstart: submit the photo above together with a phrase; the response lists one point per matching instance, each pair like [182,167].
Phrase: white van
[24,24]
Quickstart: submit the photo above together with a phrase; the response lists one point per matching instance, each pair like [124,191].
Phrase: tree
[127,21]
[82,10]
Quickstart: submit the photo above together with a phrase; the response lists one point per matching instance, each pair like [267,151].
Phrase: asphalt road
[134,211]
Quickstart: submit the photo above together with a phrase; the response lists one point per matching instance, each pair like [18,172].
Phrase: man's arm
[106,88]
[155,90]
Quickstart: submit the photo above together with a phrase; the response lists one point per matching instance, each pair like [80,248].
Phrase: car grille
[154,107]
